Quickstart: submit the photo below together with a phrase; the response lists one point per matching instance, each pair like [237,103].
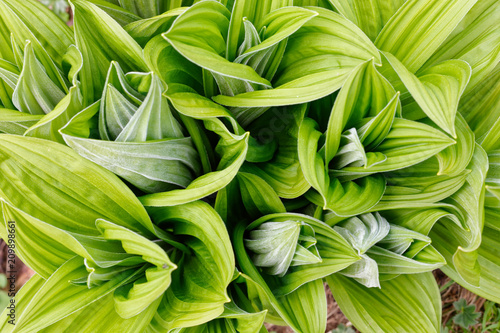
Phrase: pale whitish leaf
[408,303]
[419,27]
[364,231]
[364,271]
[152,166]
[407,143]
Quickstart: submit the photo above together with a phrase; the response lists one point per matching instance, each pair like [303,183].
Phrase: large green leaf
[30,20]
[408,303]
[476,40]
[48,127]
[370,15]
[485,96]
[466,240]
[437,89]
[82,193]
[102,40]
[198,290]
[206,46]
[419,27]
[15,122]
[144,30]
[312,67]
[364,94]
[58,297]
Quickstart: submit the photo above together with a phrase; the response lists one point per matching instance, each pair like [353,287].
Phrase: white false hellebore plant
[206,166]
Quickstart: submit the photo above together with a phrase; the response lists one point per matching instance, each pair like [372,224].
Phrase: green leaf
[101,40]
[466,314]
[371,16]
[198,290]
[408,303]
[49,125]
[283,172]
[35,92]
[58,298]
[407,143]
[464,242]
[15,122]
[258,197]
[119,14]
[144,30]
[437,89]
[364,94]
[485,96]
[231,147]
[29,166]
[298,79]
[30,20]
[419,27]
[475,40]
[206,49]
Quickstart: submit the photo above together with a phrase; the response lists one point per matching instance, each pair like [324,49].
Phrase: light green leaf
[476,40]
[408,303]
[485,96]
[437,89]
[470,201]
[206,49]
[144,30]
[370,15]
[48,127]
[35,92]
[15,122]
[101,40]
[30,20]
[198,290]
[407,143]
[29,166]
[58,298]
[119,14]
[298,79]
[419,27]
[364,94]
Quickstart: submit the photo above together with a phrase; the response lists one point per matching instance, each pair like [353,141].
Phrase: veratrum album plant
[203,166]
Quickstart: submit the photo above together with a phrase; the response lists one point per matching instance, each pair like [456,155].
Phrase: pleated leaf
[298,79]
[419,27]
[409,303]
